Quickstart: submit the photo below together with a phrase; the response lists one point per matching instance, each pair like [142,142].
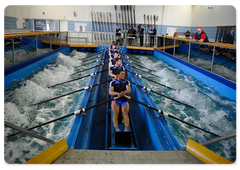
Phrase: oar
[78,112]
[88,69]
[28,45]
[160,94]
[138,64]
[100,58]
[134,62]
[228,61]
[90,56]
[149,79]
[93,56]
[141,66]
[143,71]
[131,59]
[166,114]
[85,88]
[91,59]
[92,74]
[84,64]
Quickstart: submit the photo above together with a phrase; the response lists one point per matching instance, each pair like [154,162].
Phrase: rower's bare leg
[115,110]
[125,110]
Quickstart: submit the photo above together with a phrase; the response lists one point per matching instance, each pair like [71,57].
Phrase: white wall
[17,11]
[176,15]
[219,15]
[180,15]
[61,12]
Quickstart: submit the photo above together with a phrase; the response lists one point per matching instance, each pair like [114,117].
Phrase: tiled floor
[74,156]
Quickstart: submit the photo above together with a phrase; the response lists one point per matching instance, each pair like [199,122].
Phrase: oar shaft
[77,78]
[70,93]
[160,94]
[85,64]
[34,127]
[144,104]
[87,69]
[91,58]
[158,83]
[146,72]
[138,64]
[193,125]
[69,81]
[58,97]
[71,114]
[172,99]
[151,80]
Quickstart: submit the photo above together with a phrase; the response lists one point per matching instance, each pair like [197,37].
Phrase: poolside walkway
[77,156]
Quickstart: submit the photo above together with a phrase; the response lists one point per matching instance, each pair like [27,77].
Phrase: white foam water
[33,89]
[213,112]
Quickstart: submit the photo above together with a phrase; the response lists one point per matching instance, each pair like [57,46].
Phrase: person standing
[135,36]
[152,34]
[130,35]
[118,35]
[141,33]
[187,34]
[230,37]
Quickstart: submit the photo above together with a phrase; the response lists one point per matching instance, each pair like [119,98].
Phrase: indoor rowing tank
[213,111]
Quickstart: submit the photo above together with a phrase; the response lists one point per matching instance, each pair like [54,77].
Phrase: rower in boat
[112,59]
[111,53]
[114,68]
[120,87]
[110,47]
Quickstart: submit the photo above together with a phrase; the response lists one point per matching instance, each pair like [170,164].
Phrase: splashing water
[213,112]
[33,89]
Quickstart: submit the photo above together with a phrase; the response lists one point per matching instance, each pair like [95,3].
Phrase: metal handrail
[190,41]
[38,36]
[7,124]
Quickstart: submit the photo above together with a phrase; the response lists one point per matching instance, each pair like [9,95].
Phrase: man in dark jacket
[135,36]
[230,37]
[141,33]
[118,35]
[130,35]
[152,34]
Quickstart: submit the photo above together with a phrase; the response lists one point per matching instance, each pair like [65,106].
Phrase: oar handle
[127,97]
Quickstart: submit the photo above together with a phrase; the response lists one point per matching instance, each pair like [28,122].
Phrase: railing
[212,49]
[20,47]
[106,38]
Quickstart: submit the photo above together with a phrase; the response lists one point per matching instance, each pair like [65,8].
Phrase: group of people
[118,87]
[132,35]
